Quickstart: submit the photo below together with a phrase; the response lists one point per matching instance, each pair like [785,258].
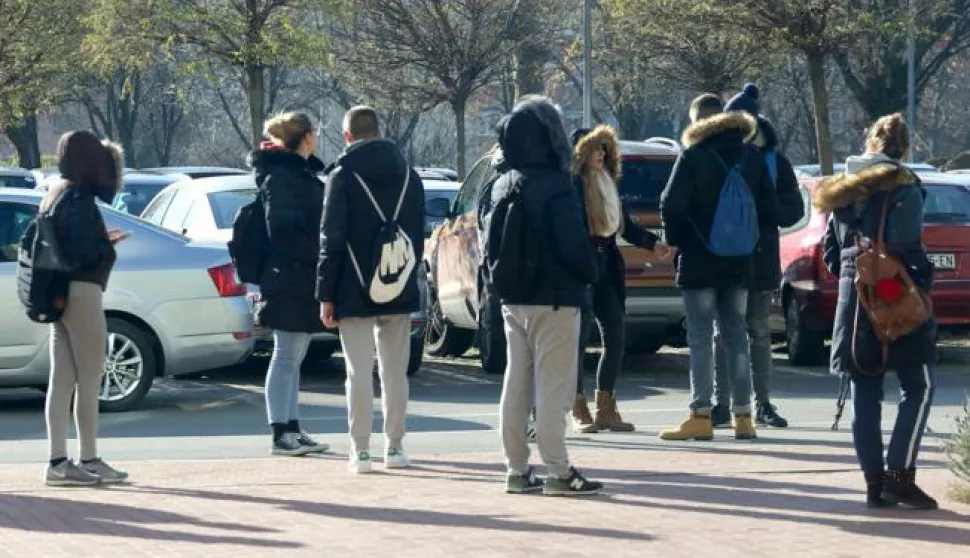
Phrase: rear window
[17,181]
[225,205]
[135,197]
[644,180]
[946,203]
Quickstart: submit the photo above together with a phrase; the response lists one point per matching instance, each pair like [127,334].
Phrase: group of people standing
[341,256]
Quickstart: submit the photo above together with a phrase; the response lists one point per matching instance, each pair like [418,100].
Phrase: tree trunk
[23,136]
[820,99]
[458,106]
[256,92]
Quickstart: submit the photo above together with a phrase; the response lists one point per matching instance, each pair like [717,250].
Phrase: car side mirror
[439,208]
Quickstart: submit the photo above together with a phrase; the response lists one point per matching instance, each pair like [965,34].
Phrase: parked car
[173,306]
[655,311]
[959,171]
[204,209]
[815,171]
[804,306]
[139,189]
[195,172]
[17,178]
[439,195]
[438,173]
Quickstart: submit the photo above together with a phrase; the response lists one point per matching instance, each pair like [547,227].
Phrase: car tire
[806,347]
[442,339]
[645,345]
[131,352]
[417,355]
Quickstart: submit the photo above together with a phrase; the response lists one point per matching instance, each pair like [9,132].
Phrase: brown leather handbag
[895,305]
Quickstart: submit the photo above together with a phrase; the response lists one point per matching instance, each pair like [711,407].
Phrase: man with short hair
[373,212]
[714,285]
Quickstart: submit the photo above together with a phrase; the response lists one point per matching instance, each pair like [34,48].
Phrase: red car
[805,303]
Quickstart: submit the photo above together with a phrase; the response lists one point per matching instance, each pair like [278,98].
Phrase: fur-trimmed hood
[845,189]
[601,136]
[705,129]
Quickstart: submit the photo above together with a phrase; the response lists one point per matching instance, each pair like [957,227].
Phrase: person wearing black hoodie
[715,287]
[292,195]
[767,272]
[372,185]
[542,326]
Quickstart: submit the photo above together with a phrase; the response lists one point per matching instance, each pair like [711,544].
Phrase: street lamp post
[587,63]
[911,78]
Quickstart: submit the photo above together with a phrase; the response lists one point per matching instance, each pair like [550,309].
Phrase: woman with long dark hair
[596,171]
[90,170]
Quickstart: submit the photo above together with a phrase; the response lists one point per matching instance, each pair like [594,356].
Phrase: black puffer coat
[855,201]
[292,197]
[692,194]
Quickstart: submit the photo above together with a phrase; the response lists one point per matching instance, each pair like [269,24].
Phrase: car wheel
[441,338]
[806,347]
[417,356]
[646,345]
[129,368]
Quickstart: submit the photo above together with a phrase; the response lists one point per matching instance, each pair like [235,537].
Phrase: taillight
[224,277]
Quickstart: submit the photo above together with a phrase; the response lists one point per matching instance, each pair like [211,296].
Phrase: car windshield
[644,180]
[431,222]
[137,195]
[225,205]
[17,181]
[946,203]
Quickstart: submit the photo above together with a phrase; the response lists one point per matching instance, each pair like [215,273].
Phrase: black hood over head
[267,159]
[533,135]
[377,161]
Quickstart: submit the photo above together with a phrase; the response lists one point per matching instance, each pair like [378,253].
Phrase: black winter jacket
[350,217]
[791,208]
[692,194]
[292,197]
[538,154]
[856,205]
[81,232]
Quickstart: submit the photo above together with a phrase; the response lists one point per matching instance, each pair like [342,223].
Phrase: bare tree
[451,48]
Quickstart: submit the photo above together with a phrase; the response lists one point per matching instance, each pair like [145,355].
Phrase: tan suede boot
[697,427]
[744,427]
[582,418]
[607,416]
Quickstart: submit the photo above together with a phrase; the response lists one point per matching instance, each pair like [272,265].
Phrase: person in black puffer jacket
[856,200]
[542,326]
[90,171]
[292,196]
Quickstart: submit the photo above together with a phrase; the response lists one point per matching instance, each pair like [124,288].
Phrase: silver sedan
[174,307]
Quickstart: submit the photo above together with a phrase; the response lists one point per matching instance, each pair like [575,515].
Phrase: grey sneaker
[289,445]
[69,474]
[523,484]
[315,447]
[574,485]
[107,473]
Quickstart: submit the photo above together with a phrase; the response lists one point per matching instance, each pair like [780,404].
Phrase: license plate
[943,261]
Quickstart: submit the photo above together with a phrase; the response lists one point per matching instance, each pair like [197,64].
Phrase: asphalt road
[453,409]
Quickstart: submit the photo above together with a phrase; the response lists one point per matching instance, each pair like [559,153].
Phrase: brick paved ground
[731,500]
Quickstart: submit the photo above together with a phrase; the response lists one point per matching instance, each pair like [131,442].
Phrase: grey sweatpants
[77,350]
[542,370]
[391,335]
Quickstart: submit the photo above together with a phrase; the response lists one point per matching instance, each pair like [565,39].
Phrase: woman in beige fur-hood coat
[596,172]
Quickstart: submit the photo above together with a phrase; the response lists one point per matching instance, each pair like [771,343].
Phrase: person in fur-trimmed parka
[596,172]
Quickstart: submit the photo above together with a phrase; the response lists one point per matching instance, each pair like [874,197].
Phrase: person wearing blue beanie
[745,101]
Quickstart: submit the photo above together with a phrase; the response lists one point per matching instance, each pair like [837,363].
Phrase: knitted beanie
[746,101]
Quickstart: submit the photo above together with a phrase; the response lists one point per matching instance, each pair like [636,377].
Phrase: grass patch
[958,450]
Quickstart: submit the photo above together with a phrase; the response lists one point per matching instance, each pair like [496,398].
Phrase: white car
[174,307]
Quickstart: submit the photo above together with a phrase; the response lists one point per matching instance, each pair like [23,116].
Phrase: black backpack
[249,246]
[512,251]
[43,271]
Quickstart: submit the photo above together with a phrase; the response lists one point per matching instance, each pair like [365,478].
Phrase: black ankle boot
[900,488]
[874,488]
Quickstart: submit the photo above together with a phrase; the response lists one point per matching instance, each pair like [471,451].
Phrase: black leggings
[607,309]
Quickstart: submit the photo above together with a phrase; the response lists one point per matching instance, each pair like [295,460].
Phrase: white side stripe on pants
[920,418]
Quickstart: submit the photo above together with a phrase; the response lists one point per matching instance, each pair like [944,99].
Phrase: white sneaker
[394,458]
[360,463]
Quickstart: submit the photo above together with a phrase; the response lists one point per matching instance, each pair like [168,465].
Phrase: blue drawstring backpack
[734,231]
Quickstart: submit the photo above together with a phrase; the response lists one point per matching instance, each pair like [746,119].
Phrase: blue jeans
[728,307]
[283,376]
[759,334]
[917,386]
